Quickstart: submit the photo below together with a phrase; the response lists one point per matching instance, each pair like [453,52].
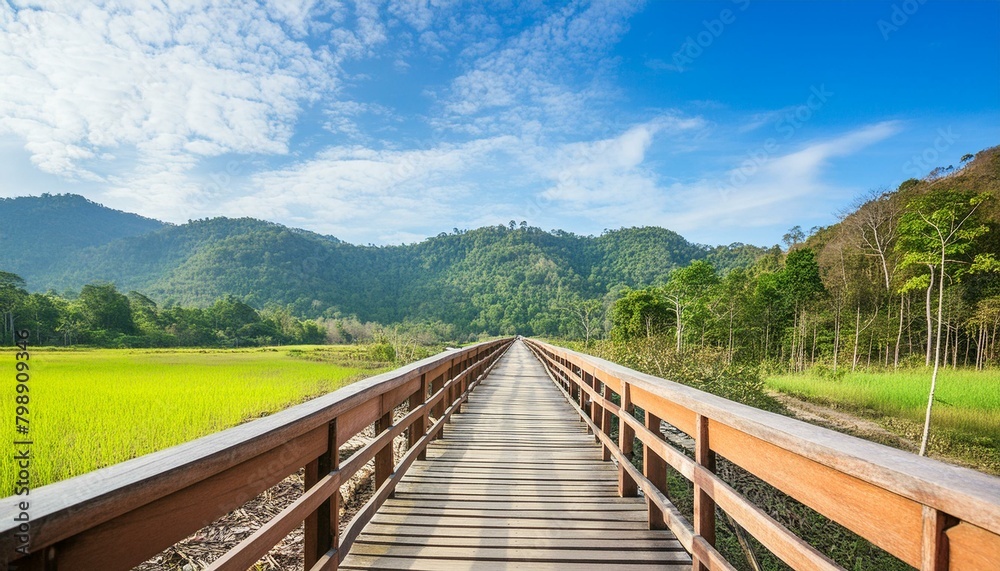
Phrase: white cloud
[779,190]
[356,193]
[608,183]
[551,72]
[83,85]
[604,173]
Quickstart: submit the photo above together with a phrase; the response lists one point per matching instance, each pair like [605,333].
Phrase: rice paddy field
[94,408]
[965,419]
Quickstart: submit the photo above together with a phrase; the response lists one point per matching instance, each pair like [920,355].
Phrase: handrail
[119,516]
[931,515]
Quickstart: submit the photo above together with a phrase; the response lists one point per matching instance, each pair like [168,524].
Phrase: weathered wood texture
[516,482]
[117,517]
[931,515]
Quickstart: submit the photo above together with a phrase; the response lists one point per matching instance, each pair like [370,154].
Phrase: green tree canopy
[640,313]
[104,308]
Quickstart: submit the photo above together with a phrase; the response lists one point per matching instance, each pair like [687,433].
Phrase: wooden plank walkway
[516,483]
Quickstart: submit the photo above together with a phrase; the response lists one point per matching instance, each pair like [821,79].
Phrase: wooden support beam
[322,526]
[384,462]
[704,505]
[627,486]
[606,421]
[935,540]
[419,426]
[655,470]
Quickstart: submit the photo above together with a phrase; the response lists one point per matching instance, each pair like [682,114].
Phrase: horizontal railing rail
[931,515]
[119,516]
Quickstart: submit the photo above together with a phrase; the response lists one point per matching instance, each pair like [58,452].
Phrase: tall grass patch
[94,408]
[967,403]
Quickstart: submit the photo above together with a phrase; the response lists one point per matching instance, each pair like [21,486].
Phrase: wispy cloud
[609,184]
[150,91]
[356,192]
[549,74]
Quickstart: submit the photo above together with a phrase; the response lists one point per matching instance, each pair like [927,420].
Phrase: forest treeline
[102,316]
[905,276]
[864,291]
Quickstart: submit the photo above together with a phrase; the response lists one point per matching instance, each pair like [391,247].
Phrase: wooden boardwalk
[516,483]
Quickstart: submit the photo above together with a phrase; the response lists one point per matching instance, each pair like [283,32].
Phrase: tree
[733,293]
[144,312]
[588,315]
[639,313]
[233,319]
[800,283]
[874,223]
[12,297]
[793,237]
[42,313]
[688,286]
[105,309]
[936,230]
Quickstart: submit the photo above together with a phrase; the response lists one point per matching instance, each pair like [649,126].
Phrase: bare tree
[874,224]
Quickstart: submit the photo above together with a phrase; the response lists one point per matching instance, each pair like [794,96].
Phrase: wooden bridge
[518,456]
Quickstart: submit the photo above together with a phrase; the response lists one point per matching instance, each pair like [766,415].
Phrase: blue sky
[390,121]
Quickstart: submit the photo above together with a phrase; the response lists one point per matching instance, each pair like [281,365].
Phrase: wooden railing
[930,515]
[120,516]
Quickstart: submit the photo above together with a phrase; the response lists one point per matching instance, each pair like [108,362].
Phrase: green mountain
[41,233]
[495,279]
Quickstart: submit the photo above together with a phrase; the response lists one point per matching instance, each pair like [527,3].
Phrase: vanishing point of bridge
[518,456]
[516,482]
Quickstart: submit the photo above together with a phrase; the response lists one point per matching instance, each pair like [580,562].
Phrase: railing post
[419,426]
[934,544]
[606,419]
[627,487]
[384,461]
[322,527]
[704,505]
[655,470]
[436,385]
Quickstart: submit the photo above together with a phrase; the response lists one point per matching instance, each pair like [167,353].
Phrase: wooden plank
[622,535]
[508,554]
[972,547]
[544,513]
[368,562]
[601,542]
[535,503]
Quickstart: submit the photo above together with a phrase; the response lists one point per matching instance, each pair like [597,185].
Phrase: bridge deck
[516,483]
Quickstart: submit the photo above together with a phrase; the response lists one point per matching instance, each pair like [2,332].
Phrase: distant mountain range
[480,279]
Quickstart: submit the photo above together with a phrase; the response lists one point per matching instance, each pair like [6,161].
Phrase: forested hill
[494,279]
[40,233]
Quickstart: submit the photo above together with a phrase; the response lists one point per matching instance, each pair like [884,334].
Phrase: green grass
[966,410]
[94,408]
